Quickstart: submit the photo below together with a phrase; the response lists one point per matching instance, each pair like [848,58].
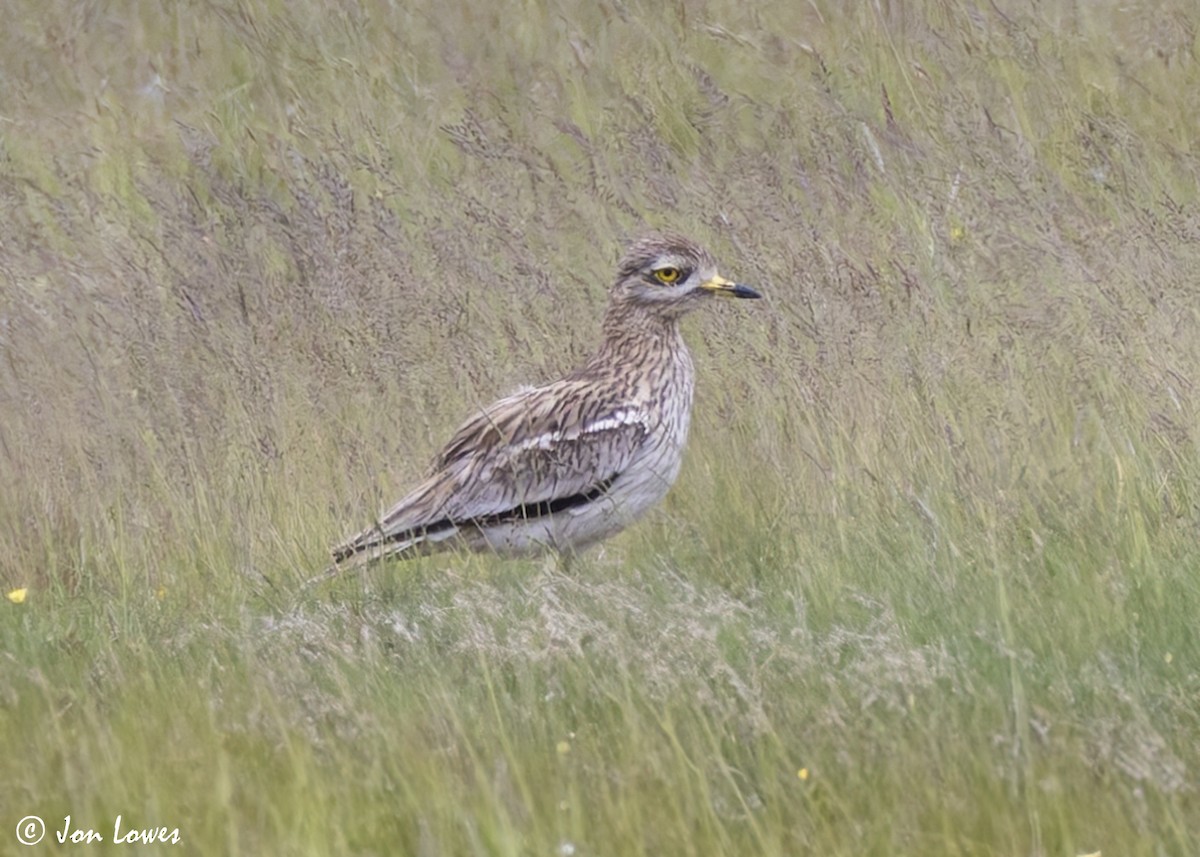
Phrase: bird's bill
[718,285]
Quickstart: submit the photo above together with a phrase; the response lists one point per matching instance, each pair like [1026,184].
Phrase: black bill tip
[740,291]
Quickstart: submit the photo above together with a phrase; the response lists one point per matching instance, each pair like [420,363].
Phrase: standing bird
[565,465]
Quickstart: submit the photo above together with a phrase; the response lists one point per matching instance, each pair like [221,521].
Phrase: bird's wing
[536,452]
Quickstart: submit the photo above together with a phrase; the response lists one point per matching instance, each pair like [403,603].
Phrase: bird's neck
[633,336]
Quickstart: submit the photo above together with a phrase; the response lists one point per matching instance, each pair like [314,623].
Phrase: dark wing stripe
[542,509]
[524,512]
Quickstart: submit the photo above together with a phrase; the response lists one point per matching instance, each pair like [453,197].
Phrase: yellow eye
[667,275]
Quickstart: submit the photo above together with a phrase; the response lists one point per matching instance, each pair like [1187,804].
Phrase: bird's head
[668,275]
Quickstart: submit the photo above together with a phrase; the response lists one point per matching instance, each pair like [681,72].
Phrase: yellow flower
[802,774]
[17,596]
[563,747]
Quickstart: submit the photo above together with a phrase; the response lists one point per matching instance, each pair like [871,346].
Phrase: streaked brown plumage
[564,465]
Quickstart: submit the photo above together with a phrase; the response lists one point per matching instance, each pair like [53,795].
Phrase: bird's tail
[413,527]
[375,545]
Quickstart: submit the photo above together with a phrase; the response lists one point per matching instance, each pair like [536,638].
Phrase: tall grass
[928,583]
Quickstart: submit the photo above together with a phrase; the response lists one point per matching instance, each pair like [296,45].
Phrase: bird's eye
[667,275]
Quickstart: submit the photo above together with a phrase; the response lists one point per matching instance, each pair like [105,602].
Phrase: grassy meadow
[929,583]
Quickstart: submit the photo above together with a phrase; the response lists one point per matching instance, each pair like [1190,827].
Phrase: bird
[564,465]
